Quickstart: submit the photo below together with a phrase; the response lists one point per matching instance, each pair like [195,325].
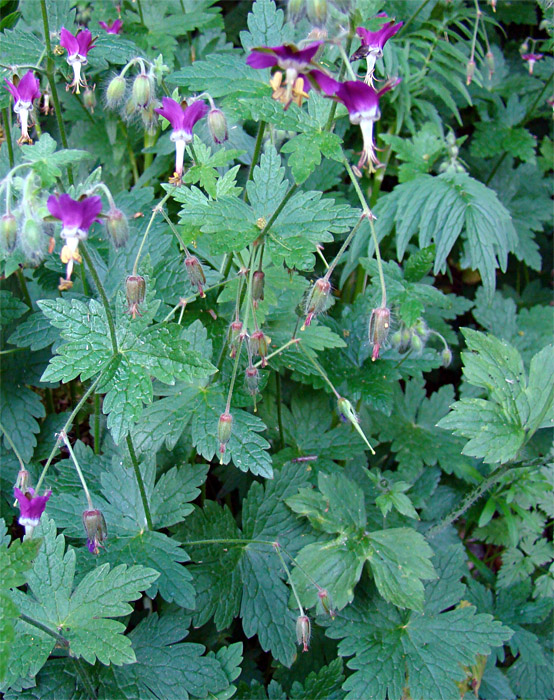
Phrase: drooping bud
[303,631]
[118,227]
[317,300]
[217,124]
[8,233]
[252,380]
[470,71]
[446,357]
[33,243]
[95,527]
[142,90]
[417,343]
[259,344]
[396,339]
[135,289]
[317,12]
[235,332]
[379,326]
[258,282]
[420,328]
[224,430]
[116,91]
[196,275]
[89,99]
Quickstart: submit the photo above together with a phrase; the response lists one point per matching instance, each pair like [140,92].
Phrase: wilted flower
[31,507]
[23,94]
[113,27]
[135,289]
[303,631]
[531,59]
[117,226]
[362,102]
[235,333]
[252,380]
[95,527]
[470,71]
[224,430]
[379,327]
[373,42]
[182,121]
[196,275]
[8,232]
[258,283]
[259,344]
[317,300]
[77,217]
[77,47]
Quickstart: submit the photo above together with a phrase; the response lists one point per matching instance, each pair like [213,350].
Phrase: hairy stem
[6,120]
[10,442]
[77,469]
[103,296]
[140,483]
[157,209]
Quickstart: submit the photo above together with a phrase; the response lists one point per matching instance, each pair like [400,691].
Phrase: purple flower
[76,217]
[77,47]
[297,63]
[182,122]
[26,91]
[114,27]
[362,102]
[531,59]
[31,507]
[373,42]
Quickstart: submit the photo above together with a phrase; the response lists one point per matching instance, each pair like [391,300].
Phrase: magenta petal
[116,27]
[172,111]
[30,509]
[54,206]
[84,40]
[357,96]
[261,60]
[306,55]
[11,88]
[90,208]
[324,82]
[104,26]
[28,87]
[69,42]
[193,113]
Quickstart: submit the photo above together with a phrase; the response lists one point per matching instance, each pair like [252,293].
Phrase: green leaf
[213,72]
[266,26]
[82,614]
[306,151]
[46,162]
[491,138]
[19,409]
[35,332]
[11,308]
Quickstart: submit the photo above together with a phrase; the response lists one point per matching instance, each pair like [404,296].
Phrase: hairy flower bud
[95,527]
[303,631]
[142,91]
[196,275]
[379,327]
[217,124]
[135,288]
[446,357]
[317,300]
[224,430]
[116,91]
[258,282]
[89,99]
[118,227]
[417,343]
[317,12]
[33,242]
[259,344]
[8,233]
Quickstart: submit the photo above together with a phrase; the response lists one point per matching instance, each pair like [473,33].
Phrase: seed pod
[252,380]
[118,227]
[224,430]
[379,327]
[258,282]
[470,71]
[116,91]
[8,233]
[235,331]
[303,631]
[317,12]
[317,300]
[217,124]
[196,275]
[489,58]
[142,92]
[95,527]
[135,289]
[259,344]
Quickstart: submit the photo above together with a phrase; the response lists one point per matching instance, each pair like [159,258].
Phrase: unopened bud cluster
[23,227]
[135,95]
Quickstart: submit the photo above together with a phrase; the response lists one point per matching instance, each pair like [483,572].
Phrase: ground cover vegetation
[277,373]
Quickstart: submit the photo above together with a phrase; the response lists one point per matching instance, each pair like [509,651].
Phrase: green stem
[140,483]
[321,371]
[292,341]
[131,153]
[346,63]
[96,427]
[256,155]
[84,678]
[343,247]
[62,641]
[469,500]
[187,300]
[10,442]
[103,297]
[139,7]
[415,14]
[52,82]
[369,216]
[157,209]
[77,469]
[279,209]
[24,289]
[279,410]
[6,120]
[65,428]
[233,377]
[342,71]
[276,547]
[73,398]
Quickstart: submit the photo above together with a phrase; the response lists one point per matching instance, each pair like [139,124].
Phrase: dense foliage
[277,365]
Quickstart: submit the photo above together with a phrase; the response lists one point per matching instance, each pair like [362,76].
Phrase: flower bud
[379,326]
[258,281]
[89,99]
[149,118]
[295,10]
[118,227]
[135,288]
[33,243]
[116,91]
[259,344]
[446,357]
[224,430]
[252,380]
[317,300]
[8,233]
[303,631]
[235,331]
[217,124]
[142,90]
[421,329]
[196,275]
[317,12]
[95,527]
[470,71]
[396,339]
[417,343]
